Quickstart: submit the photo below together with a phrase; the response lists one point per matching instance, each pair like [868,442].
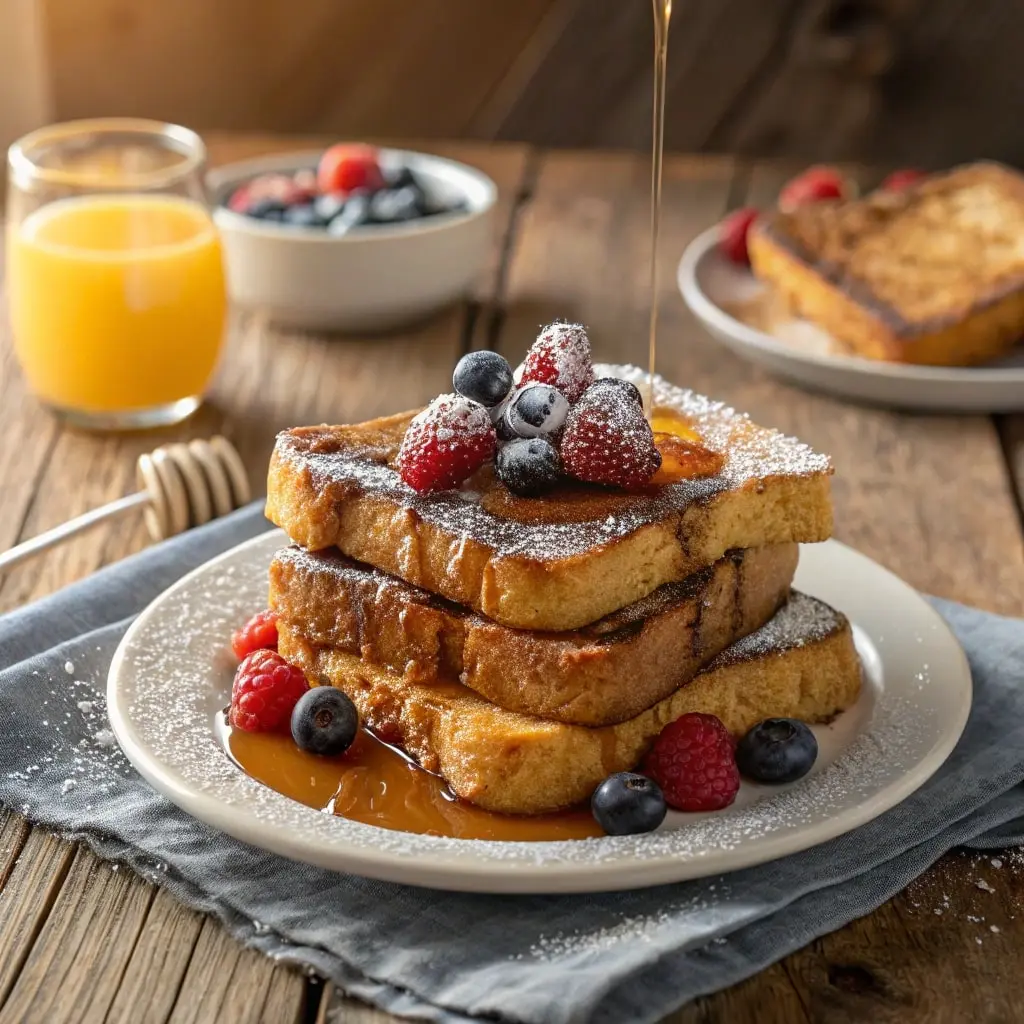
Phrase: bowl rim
[220,178]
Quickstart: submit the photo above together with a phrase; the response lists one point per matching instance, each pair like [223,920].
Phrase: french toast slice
[562,561]
[932,274]
[802,664]
[598,675]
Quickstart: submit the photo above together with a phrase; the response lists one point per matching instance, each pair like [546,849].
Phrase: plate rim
[491,874]
[711,313]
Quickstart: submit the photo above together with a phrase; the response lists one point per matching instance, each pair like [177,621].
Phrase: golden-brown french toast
[598,675]
[933,273]
[802,664]
[567,559]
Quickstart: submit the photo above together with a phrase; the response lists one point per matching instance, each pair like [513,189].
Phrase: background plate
[729,302]
[173,671]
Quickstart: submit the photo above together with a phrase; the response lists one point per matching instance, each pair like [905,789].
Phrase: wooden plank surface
[328,65]
[573,243]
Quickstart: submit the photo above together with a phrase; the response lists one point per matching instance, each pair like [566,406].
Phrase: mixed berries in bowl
[352,187]
[354,238]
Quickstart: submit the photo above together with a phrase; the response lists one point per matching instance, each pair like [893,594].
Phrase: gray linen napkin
[444,956]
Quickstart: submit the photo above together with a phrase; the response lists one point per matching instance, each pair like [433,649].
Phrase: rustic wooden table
[936,499]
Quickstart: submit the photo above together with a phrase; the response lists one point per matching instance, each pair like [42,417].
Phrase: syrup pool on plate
[375,784]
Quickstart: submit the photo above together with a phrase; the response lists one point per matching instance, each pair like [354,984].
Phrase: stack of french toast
[502,610]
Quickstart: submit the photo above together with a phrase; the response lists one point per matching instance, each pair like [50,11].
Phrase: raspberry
[258,633]
[560,357]
[281,188]
[812,185]
[694,762]
[899,180]
[445,444]
[733,234]
[346,167]
[607,439]
[265,691]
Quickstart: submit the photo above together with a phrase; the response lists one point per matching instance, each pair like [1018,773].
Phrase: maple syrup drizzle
[683,456]
[376,784]
[662,16]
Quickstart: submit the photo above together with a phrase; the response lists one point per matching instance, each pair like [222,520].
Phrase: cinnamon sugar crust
[803,664]
[562,561]
[598,675]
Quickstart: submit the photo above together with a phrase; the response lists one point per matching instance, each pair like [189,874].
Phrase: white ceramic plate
[173,670]
[730,302]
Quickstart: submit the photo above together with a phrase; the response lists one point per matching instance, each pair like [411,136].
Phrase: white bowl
[375,278]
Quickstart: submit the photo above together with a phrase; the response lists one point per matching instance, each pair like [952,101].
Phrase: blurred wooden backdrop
[919,81]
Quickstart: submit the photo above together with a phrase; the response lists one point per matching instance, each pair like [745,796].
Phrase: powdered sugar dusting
[560,356]
[175,675]
[590,518]
[751,451]
[459,413]
[802,620]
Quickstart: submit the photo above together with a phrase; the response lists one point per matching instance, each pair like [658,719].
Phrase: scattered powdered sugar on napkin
[448,956]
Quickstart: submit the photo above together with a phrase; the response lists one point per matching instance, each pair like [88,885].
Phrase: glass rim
[26,172]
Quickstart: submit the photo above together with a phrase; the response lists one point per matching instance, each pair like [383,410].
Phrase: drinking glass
[115,277]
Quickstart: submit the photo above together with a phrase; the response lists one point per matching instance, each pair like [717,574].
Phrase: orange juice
[117,301]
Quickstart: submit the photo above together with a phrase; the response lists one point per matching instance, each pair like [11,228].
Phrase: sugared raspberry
[560,357]
[258,633]
[445,444]
[607,439]
[733,238]
[899,180]
[812,185]
[694,762]
[265,691]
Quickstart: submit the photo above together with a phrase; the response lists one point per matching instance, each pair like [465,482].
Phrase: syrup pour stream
[662,16]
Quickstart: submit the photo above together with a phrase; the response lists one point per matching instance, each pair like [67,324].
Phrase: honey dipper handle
[51,538]
[180,485]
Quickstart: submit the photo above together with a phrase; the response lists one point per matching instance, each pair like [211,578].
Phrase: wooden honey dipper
[181,485]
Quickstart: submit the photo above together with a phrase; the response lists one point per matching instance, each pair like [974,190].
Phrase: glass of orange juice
[115,278]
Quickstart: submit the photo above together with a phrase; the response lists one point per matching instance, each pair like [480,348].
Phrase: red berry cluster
[266,687]
[592,430]
[811,186]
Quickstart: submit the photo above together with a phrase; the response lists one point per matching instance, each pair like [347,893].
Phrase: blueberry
[483,377]
[328,206]
[623,386]
[393,206]
[267,209]
[537,409]
[502,427]
[777,750]
[355,213]
[303,216]
[401,177]
[626,804]
[324,721]
[529,466]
